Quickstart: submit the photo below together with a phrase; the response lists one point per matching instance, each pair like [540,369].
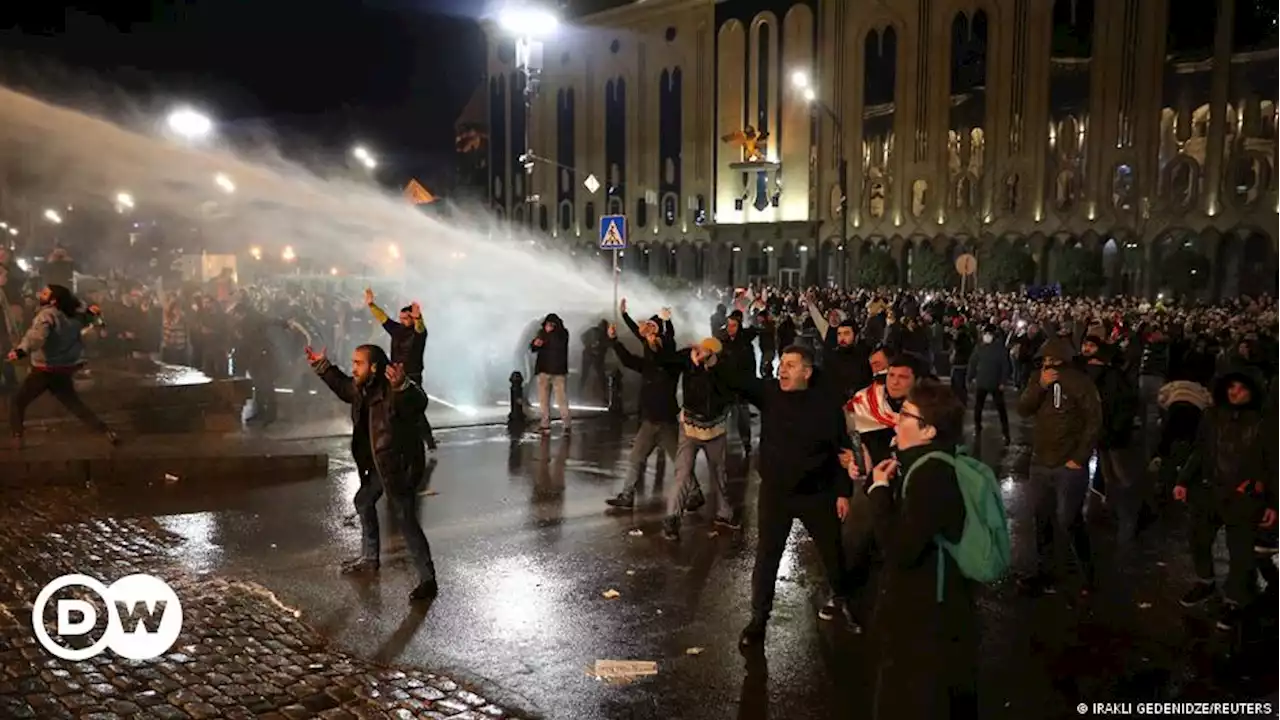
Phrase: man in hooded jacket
[1066,413]
[1229,481]
[551,367]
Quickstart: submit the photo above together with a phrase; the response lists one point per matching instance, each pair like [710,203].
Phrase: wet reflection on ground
[525,552]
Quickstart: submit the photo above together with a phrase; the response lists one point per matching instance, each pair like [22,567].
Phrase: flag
[417,194]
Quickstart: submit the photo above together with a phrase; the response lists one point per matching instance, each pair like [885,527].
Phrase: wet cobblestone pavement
[525,551]
[241,654]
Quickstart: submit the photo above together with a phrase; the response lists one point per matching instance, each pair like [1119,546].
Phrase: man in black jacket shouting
[386,408]
[802,432]
[551,346]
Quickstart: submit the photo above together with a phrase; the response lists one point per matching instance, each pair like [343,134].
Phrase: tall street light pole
[800,79]
[529,25]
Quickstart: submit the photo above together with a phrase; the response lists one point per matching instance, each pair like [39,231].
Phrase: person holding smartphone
[1066,413]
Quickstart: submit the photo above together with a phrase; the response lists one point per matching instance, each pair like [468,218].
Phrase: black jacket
[657,381]
[1231,445]
[847,369]
[909,620]
[738,357]
[801,435]
[553,354]
[407,345]
[1119,402]
[705,394]
[393,448]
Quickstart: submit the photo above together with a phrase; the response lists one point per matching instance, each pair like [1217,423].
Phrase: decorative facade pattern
[1130,129]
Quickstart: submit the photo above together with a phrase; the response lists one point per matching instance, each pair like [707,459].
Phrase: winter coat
[393,448]
[553,354]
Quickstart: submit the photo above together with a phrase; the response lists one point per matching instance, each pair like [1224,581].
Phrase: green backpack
[983,551]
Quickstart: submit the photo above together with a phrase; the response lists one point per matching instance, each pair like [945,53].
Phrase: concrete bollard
[517,418]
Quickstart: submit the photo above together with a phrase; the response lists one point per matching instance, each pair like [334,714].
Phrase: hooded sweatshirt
[53,341]
[1067,416]
[553,354]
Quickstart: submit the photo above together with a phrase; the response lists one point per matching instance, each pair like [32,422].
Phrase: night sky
[393,74]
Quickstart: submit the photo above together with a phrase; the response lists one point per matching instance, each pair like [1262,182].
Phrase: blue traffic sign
[613,232]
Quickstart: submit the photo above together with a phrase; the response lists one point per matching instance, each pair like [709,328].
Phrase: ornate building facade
[1054,129]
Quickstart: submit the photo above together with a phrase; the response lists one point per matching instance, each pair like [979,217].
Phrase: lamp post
[365,158]
[529,24]
[800,79]
[189,124]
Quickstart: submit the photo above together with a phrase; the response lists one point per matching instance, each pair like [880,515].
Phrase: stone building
[989,126]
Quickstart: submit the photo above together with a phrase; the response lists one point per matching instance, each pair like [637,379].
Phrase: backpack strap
[949,459]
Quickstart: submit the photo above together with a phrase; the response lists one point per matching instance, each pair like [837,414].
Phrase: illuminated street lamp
[395,251]
[288,254]
[189,124]
[800,81]
[52,216]
[366,158]
[256,252]
[529,24]
[224,182]
[333,271]
[124,201]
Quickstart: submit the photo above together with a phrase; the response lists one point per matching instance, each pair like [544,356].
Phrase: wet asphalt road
[524,550]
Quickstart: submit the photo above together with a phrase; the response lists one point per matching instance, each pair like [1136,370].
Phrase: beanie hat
[711,345]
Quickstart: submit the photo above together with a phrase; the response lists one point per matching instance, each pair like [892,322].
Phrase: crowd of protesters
[1172,401]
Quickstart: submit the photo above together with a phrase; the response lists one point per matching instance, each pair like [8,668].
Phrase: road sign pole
[615,288]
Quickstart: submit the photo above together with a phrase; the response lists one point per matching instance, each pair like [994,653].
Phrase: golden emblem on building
[753,143]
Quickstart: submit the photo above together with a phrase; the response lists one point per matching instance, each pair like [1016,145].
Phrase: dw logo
[144,617]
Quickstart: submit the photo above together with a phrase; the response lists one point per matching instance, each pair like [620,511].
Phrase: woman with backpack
[925,625]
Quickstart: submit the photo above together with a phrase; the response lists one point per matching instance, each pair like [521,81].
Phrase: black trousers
[1214,509]
[61,386]
[774,515]
[980,402]
[403,505]
[424,428]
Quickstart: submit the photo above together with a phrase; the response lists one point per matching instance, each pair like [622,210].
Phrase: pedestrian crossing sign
[613,232]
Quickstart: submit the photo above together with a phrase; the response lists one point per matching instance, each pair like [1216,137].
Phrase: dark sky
[392,73]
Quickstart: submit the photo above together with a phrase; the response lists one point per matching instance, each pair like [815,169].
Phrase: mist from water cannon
[482,283]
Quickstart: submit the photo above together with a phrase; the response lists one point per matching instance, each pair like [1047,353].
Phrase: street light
[288,254]
[124,201]
[528,24]
[395,251]
[52,216]
[801,81]
[256,252]
[225,183]
[365,157]
[189,124]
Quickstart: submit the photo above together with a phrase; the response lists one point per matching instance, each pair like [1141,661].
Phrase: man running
[56,349]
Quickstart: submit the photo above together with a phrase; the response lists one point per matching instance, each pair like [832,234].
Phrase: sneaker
[1229,617]
[1198,594]
[695,503]
[830,610]
[360,566]
[623,501]
[671,529]
[729,523]
[1036,585]
[752,634]
[426,590]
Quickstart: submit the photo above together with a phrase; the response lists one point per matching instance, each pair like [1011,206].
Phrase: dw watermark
[144,617]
